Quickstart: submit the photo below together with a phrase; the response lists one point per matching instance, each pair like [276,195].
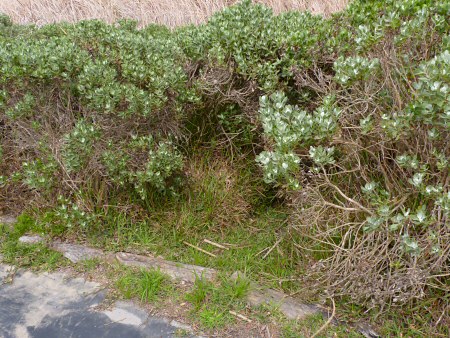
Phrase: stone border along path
[287,305]
[185,272]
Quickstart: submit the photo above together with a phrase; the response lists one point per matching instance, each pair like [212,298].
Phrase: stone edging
[185,272]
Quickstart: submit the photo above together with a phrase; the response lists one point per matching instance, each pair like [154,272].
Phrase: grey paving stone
[31,239]
[7,219]
[76,252]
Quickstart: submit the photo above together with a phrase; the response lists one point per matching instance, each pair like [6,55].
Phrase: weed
[212,318]
[182,333]
[231,291]
[202,288]
[310,325]
[24,223]
[212,303]
[34,256]
[87,265]
[147,285]
[3,229]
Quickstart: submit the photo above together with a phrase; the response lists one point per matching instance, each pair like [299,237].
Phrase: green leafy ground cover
[317,147]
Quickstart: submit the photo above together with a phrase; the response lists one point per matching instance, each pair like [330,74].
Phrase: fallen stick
[200,249]
[215,244]
[241,316]
[323,327]
[273,247]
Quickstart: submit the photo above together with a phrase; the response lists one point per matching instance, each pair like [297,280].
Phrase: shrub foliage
[348,117]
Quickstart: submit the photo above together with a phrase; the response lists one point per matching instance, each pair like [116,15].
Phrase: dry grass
[168,12]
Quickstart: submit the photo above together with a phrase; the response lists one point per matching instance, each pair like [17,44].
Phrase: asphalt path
[52,305]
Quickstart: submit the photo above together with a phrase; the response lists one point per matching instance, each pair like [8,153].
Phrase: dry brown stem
[167,12]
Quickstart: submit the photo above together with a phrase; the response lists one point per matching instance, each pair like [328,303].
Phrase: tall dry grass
[168,12]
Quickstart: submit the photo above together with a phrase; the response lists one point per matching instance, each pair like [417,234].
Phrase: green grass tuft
[212,303]
[34,256]
[147,285]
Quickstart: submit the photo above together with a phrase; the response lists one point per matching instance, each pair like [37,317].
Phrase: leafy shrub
[288,127]
[71,93]
[78,145]
[352,125]
[374,177]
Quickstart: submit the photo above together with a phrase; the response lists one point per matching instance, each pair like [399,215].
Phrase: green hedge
[350,116]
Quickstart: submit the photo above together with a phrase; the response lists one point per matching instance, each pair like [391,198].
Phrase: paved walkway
[49,305]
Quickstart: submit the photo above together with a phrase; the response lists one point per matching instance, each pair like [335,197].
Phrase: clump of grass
[202,288]
[147,285]
[222,193]
[34,256]
[24,223]
[3,229]
[311,325]
[182,333]
[212,318]
[212,303]
[425,319]
[88,265]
